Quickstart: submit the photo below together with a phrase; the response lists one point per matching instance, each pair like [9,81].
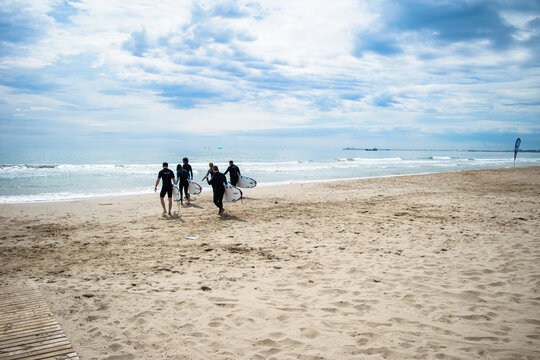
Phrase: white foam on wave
[70,196]
[30,183]
[442,158]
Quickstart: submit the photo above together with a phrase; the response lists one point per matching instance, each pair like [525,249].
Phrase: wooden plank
[30,340]
[45,344]
[21,296]
[18,288]
[23,306]
[26,317]
[15,290]
[23,315]
[27,338]
[27,295]
[16,301]
[27,326]
[50,330]
[61,355]
[22,299]
[16,304]
[37,326]
[13,296]
[24,312]
[28,329]
[31,332]
[39,353]
[26,309]
[72,356]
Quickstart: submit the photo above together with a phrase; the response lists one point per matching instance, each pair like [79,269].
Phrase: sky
[387,73]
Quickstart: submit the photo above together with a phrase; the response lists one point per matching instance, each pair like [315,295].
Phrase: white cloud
[213,67]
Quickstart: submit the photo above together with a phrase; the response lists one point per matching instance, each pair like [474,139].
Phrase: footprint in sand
[115,347]
[276,335]
[309,333]
[363,308]
[121,357]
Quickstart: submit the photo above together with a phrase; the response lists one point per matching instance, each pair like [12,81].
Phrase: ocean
[73,176]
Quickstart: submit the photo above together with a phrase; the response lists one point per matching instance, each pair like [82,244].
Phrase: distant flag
[516,148]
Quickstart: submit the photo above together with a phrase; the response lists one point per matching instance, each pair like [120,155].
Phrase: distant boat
[353,148]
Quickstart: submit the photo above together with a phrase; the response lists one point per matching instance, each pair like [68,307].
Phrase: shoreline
[259,185]
[442,265]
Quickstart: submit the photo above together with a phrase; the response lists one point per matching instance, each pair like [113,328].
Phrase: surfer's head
[178,167]
[215,168]
[165,165]
[211,165]
[185,160]
[231,162]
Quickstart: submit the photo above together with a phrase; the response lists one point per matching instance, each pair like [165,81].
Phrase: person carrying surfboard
[209,172]
[235,173]
[218,182]
[187,168]
[166,186]
[183,183]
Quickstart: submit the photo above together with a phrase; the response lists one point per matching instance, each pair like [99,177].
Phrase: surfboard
[175,193]
[246,182]
[194,188]
[232,193]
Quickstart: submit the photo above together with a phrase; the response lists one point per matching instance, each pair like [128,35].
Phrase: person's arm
[224,179]
[209,180]
[237,168]
[190,172]
[225,173]
[157,183]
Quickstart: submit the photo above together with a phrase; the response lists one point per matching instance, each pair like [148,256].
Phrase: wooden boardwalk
[28,329]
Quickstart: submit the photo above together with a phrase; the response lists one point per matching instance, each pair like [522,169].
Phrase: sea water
[69,177]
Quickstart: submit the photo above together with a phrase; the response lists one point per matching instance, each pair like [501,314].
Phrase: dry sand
[431,266]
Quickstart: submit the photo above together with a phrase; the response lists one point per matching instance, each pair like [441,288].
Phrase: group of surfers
[184,174]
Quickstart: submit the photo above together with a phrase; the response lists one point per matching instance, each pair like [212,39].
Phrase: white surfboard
[194,188]
[246,182]
[175,193]
[232,193]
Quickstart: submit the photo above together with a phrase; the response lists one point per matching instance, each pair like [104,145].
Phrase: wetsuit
[187,168]
[183,183]
[209,173]
[218,182]
[167,176]
[235,173]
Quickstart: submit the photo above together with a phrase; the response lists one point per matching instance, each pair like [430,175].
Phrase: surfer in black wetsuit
[187,168]
[183,183]
[218,182]
[166,186]
[235,173]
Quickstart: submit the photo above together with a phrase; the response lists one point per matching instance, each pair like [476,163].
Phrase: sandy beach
[440,266]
